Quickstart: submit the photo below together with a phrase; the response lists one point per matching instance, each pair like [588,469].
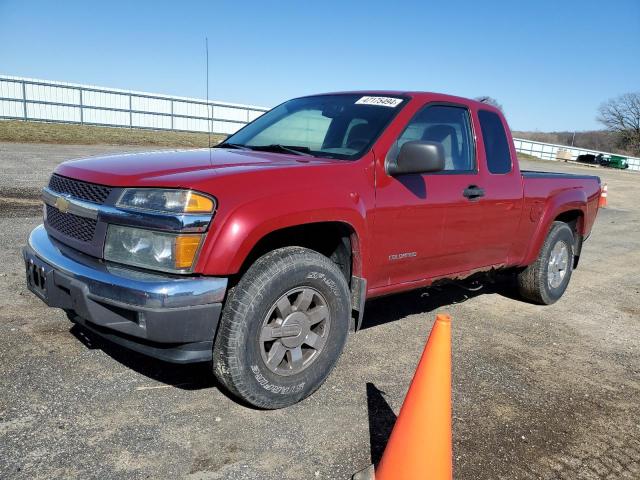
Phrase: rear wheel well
[334,240]
[574,219]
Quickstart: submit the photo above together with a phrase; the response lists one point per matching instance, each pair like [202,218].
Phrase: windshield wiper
[276,147]
[232,145]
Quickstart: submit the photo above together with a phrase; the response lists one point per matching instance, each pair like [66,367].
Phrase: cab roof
[417,95]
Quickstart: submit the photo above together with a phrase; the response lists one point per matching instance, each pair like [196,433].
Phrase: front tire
[283,328]
[546,279]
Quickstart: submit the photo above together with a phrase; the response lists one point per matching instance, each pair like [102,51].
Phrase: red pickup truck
[258,255]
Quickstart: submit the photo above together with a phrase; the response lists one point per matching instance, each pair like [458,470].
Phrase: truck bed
[538,174]
[551,193]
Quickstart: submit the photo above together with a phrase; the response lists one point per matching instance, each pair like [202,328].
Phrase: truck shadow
[396,307]
[194,376]
[379,311]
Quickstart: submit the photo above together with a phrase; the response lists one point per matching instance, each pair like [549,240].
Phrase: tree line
[620,116]
[591,140]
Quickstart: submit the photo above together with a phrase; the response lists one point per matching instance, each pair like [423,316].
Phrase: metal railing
[42,100]
[549,151]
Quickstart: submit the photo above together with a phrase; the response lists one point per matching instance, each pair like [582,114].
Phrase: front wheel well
[334,240]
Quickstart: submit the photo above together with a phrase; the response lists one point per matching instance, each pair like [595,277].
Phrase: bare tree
[622,116]
[602,140]
[489,101]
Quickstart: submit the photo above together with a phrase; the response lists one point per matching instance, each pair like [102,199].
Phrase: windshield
[333,126]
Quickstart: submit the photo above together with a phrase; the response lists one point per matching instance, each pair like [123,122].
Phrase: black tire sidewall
[559,233]
[266,388]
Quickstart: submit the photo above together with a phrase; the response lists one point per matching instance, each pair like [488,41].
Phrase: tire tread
[237,309]
[532,280]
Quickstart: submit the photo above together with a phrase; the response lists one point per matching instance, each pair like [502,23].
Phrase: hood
[176,167]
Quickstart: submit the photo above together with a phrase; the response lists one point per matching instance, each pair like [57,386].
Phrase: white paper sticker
[380,101]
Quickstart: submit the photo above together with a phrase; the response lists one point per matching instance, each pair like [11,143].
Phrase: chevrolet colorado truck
[257,255]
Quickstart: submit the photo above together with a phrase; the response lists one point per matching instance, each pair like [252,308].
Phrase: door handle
[473,191]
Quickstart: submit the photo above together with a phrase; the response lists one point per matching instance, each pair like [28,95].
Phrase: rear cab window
[496,145]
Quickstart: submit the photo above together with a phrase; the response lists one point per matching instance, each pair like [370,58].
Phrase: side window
[496,145]
[448,125]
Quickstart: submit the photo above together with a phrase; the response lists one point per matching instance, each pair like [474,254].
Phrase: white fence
[44,100]
[549,151]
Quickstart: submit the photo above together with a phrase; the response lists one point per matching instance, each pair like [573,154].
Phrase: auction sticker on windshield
[381,101]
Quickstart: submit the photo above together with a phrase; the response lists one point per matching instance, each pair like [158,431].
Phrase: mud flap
[358,299]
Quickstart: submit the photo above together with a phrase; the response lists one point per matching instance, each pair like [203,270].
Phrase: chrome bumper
[151,313]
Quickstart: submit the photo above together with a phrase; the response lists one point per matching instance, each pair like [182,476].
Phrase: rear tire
[283,328]
[546,279]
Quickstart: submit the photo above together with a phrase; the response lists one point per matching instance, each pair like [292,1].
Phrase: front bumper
[169,317]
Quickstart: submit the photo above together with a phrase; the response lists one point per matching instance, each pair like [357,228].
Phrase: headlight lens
[166,200]
[153,250]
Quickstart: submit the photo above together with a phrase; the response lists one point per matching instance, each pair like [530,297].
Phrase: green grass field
[18,131]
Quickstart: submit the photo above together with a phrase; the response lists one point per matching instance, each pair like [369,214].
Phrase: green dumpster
[617,161]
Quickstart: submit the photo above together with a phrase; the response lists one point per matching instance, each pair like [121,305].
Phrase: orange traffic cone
[603,196]
[420,443]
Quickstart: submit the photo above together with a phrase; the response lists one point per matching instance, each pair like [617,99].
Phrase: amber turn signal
[186,248]
[197,203]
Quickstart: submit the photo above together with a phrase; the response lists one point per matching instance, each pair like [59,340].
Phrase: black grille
[79,189]
[71,225]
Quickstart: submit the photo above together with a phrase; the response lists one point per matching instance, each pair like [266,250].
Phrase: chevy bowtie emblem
[62,204]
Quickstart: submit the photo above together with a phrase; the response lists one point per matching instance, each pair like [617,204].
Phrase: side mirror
[417,157]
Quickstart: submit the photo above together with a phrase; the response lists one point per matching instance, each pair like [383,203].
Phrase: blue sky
[550,63]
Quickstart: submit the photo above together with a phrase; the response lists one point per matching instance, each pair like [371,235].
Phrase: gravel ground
[539,392]
[26,166]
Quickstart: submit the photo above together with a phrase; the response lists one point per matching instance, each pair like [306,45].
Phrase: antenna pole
[209,122]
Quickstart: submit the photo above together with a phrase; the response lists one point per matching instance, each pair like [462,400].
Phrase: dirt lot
[539,392]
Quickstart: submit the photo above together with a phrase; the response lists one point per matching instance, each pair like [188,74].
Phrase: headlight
[168,252]
[166,200]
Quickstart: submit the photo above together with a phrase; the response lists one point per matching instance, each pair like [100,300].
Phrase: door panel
[407,229]
[502,203]
[462,227]
[424,226]
[501,211]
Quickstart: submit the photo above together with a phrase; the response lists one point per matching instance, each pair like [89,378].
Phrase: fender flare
[564,201]
[230,242]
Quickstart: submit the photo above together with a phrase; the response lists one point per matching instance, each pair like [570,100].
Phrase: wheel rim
[295,331]
[558,264]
